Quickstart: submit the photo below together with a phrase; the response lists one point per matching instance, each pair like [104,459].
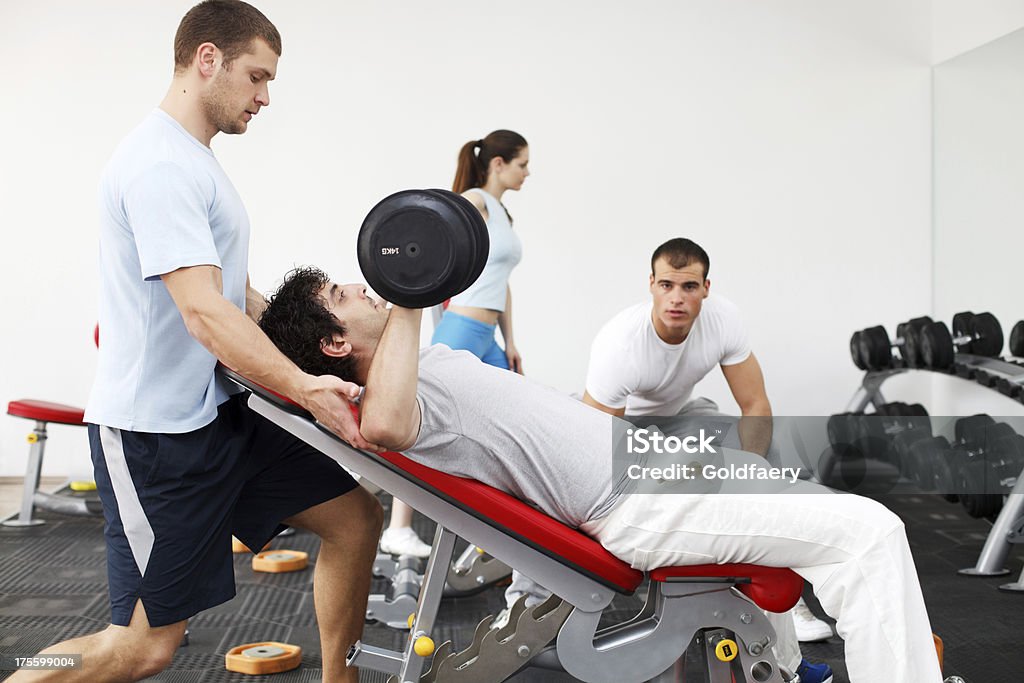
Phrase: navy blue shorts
[173,501]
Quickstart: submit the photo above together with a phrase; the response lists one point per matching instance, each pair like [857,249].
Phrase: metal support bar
[430,600]
[32,471]
[993,555]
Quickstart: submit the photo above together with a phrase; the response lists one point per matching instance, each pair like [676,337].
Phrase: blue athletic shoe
[814,673]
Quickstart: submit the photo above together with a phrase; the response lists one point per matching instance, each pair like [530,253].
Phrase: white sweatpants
[851,549]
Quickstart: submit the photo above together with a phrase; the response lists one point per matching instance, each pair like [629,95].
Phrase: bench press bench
[716,604]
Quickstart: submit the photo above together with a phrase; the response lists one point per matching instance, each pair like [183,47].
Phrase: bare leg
[401,515]
[348,527]
[118,653]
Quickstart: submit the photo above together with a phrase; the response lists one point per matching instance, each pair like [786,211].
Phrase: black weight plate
[902,444]
[858,360]
[936,346]
[917,410]
[911,346]
[912,340]
[482,236]
[942,473]
[413,249]
[968,425]
[842,429]
[1017,339]
[874,343]
[988,335]
[962,328]
[471,236]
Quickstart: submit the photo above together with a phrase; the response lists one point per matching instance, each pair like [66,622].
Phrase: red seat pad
[45,411]
[775,589]
[529,524]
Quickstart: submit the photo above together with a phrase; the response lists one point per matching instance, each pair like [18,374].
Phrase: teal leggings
[459,332]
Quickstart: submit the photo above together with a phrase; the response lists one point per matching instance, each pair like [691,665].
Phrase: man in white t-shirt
[648,359]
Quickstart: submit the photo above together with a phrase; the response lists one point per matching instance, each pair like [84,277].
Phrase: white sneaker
[403,541]
[809,628]
[501,620]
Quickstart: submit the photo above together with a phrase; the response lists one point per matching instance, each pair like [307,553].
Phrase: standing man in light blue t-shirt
[182,464]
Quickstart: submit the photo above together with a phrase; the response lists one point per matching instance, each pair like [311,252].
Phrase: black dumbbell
[417,248]
[985,480]
[871,348]
[1006,463]
[936,462]
[966,467]
[874,434]
[984,338]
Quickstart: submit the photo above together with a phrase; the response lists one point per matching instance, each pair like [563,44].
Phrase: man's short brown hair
[680,252]
[231,25]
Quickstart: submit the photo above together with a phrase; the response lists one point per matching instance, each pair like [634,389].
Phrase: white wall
[791,138]
[978,103]
[959,26]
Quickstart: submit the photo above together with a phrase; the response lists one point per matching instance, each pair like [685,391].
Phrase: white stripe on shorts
[133,517]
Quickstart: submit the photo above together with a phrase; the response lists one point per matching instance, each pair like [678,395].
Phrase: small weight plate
[264,651]
[912,340]
[936,346]
[858,360]
[1017,339]
[968,425]
[280,561]
[988,335]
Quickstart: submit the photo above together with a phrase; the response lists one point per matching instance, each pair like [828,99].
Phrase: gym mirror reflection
[979,181]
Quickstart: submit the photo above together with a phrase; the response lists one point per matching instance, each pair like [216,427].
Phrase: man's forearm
[255,303]
[755,428]
[238,342]
[389,401]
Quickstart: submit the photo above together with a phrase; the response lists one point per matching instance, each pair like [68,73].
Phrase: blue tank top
[490,289]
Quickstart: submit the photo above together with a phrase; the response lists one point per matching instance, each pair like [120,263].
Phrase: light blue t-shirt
[491,288]
[165,203]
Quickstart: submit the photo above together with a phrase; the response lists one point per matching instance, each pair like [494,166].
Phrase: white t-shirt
[631,367]
[165,203]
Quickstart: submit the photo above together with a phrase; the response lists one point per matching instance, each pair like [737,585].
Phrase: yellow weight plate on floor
[278,561]
[82,486]
[263,658]
[239,547]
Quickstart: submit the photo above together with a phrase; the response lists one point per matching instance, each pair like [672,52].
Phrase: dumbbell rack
[1008,529]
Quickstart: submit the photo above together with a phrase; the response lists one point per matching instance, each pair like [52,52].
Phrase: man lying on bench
[453,413]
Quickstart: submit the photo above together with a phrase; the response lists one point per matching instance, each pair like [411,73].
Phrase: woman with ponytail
[486,169]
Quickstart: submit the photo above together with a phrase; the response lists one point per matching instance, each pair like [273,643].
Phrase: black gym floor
[53,587]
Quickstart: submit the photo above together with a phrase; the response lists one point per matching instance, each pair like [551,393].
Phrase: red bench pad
[769,587]
[526,522]
[45,411]
[775,589]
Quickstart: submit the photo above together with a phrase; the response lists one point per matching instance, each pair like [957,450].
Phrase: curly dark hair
[298,322]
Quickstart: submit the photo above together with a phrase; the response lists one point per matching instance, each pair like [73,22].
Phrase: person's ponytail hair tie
[471,168]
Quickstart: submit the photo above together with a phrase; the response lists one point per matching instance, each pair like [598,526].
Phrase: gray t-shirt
[514,434]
